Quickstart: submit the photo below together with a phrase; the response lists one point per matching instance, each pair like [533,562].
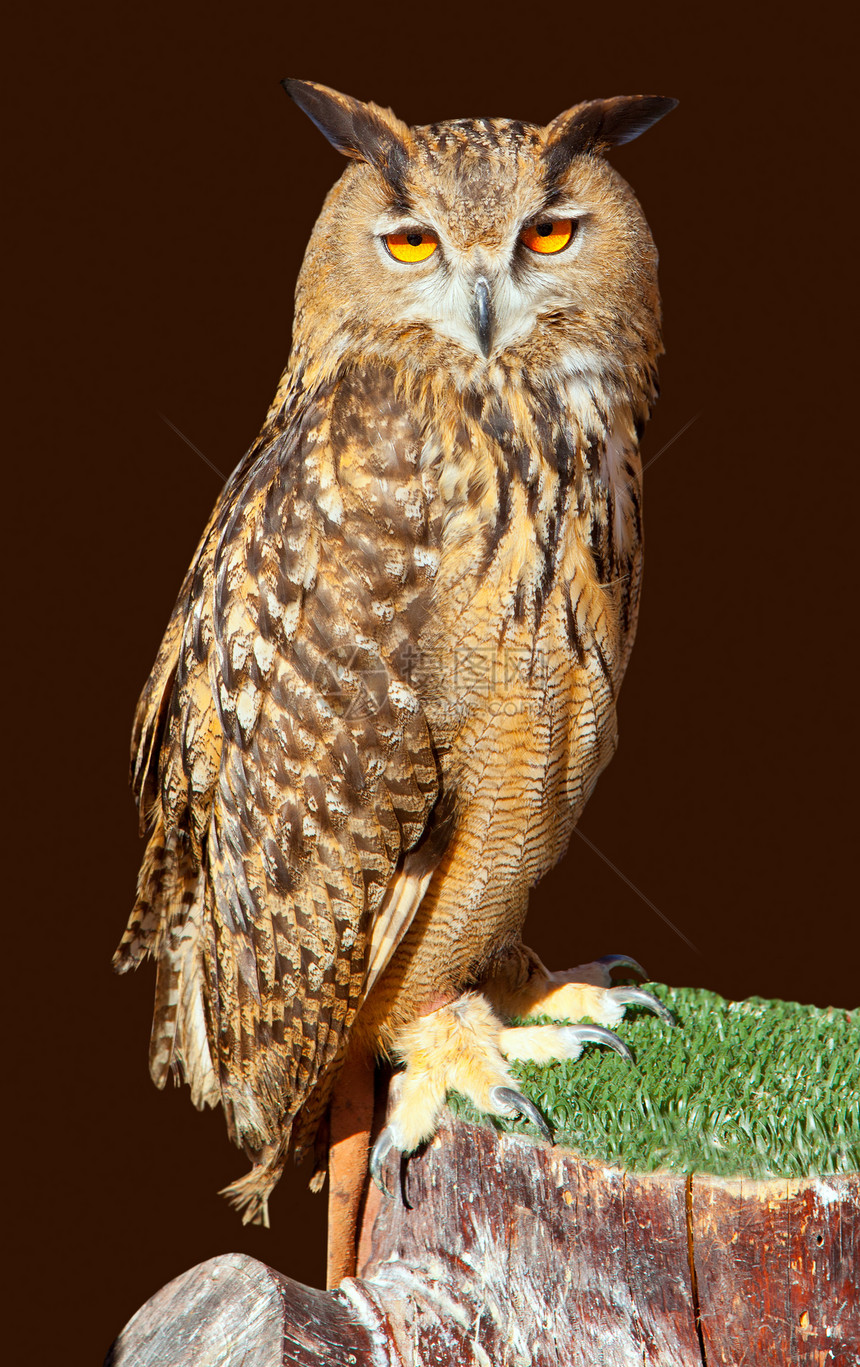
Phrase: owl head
[479,243]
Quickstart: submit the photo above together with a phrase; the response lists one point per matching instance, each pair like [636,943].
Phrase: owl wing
[291,767]
[149,717]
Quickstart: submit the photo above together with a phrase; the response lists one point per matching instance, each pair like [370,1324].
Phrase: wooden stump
[511,1252]
[233,1311]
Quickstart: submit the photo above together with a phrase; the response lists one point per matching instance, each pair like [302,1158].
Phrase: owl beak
[482,315]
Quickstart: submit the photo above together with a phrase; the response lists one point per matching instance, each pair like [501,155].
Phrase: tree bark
[514,1253]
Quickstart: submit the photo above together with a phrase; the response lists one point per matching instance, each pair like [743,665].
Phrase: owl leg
[463,1047]
[522,986]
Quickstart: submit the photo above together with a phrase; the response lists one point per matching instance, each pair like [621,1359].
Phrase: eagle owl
[389,681]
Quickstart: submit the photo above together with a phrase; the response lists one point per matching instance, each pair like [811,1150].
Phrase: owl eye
[548,235]
[412,246]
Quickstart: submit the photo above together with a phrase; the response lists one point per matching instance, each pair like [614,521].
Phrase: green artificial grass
[755,1088]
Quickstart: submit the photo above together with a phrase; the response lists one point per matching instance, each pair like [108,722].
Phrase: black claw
[595,1034]
[515,1101]
[379,1153]
[612,961]
[403,1175]
[634,996]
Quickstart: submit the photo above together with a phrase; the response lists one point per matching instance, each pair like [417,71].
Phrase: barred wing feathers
[294,767]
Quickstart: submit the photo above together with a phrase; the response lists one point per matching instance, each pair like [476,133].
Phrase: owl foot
[463,1047]
[455,1048]
[576,994]
[550,1043]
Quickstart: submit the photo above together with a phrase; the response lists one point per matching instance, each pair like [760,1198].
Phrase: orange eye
[548,235]
[416,246]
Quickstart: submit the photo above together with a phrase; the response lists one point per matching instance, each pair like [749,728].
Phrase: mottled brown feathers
[388,684]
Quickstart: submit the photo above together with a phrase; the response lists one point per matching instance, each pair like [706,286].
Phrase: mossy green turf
[759,1088]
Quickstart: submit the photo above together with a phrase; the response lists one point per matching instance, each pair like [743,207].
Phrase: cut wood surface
[518,1254]
[778,1270]
[233,1311]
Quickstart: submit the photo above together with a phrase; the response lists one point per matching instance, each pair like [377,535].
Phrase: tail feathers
[250,1194]
[167,921]
[163,1036]
[179,1035]
[192,1051]
[157,874]
[139,937]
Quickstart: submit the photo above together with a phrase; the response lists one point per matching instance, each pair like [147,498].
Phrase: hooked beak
[482,315]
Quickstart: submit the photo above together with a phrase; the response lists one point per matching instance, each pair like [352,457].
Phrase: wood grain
[778,1270]
[233,1311]
[510,1252]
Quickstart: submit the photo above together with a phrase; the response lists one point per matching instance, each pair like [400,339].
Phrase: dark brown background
[167,189]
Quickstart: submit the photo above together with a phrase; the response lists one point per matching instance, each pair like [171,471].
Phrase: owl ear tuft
[361,131]
[596,125]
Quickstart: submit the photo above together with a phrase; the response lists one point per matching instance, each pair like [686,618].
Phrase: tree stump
[515,1253]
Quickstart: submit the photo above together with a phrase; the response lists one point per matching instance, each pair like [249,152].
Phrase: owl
[389,682]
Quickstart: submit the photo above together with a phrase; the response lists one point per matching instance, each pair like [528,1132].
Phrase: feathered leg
[455,1048]
[465,1046]
[522,986]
